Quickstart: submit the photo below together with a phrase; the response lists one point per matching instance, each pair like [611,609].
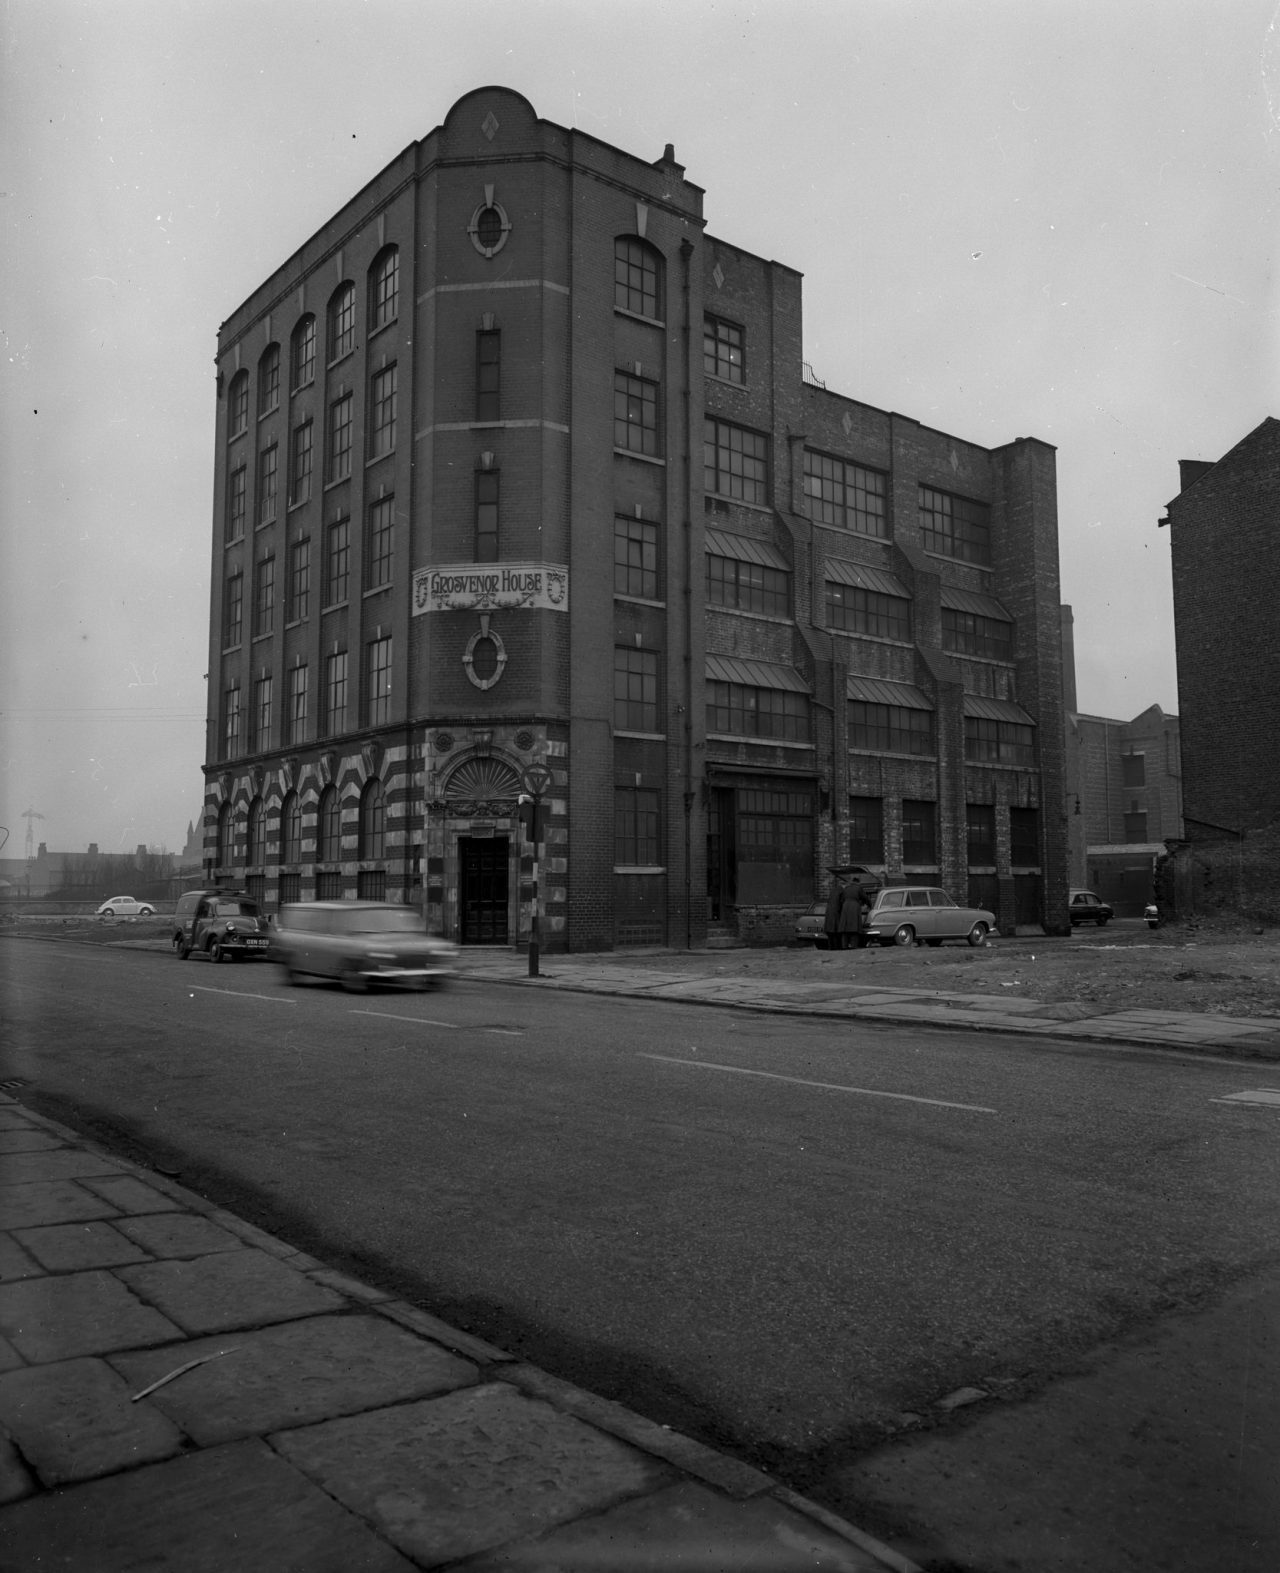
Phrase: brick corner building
[517,466]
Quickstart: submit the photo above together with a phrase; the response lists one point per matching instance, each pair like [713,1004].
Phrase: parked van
[225,925]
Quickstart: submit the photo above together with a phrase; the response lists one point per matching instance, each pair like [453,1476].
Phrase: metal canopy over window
[754,674]
[863,578]
[880,691]
[970,601]
[745,549]
[996,710]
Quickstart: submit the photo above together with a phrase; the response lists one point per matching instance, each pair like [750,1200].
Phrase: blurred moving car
[124,907]
[1085,907]
[809,927]
[909,914]
[361,943]
[222,924]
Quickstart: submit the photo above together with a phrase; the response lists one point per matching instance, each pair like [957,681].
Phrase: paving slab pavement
[181,1391]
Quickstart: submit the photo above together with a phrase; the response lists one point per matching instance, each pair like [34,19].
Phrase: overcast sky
[1050,218]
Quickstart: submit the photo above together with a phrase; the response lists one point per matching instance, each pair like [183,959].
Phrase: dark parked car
[1085,907]
[223,925]
[359,943]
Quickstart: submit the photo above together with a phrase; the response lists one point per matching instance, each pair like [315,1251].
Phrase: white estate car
[911,914]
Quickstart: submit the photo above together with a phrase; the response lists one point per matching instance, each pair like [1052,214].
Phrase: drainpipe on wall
[686,256]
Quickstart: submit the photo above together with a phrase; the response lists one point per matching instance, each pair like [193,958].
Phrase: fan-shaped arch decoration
[482,786]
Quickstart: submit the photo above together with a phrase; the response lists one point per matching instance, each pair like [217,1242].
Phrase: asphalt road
[776,1234]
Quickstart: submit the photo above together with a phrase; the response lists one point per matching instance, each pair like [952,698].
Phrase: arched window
[226,848]
[384,289]
[269,380]
[637,277]
[302,354]
[329,827]
[342,321]
[373,835]
[257,833]
[291,829]
[238,404]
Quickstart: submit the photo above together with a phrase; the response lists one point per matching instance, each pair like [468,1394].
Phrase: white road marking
[826,1086]
[1255,1095]
[418,1021]
[240,994]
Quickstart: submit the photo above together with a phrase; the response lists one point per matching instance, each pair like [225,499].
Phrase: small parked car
[1085,907]
[809,929]
[223,925]
[124,907]
[910,914]
[361,943]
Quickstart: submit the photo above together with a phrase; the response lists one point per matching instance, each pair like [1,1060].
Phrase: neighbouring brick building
[517,466]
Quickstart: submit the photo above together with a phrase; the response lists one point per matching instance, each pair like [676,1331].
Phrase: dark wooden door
[483,889]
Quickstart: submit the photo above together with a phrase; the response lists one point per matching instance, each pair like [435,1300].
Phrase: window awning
[971,601]
[755,674]
[996,709]
[880,691]
[863,578]
[745,549]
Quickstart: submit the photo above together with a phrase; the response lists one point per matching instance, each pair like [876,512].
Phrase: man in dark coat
[831,918]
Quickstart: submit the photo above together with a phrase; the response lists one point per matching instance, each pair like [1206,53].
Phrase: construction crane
[31,816]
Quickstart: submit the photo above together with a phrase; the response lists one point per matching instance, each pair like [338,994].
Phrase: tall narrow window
[382,412]
[384,289]
[238,404]
[335,693]
[378,682]
[637,271]
[267,478]
[262,714]
[866,829]
[233,611]
[373,824]
[225,851]
[297,705]
[337,562]
[635,689]
[231,722]
[722,350]
[381,543]
[488,375]
[1024,836]
[237,505]
[329,826]
[302,354]
[635,413]
[342,321]
[269,380]
[487,516]
[919,832]
[981,824]
[291,829]
[635,558]
[340,438]
[264,597]
[635,826]
[300,458]
[735,462]
[299,581]
[257,833]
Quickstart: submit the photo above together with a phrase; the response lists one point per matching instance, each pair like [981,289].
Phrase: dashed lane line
[825,1086]
[240,994]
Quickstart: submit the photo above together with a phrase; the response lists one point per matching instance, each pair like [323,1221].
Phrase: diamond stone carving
[489,125]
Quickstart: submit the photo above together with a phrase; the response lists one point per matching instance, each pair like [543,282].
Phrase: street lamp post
[536,781]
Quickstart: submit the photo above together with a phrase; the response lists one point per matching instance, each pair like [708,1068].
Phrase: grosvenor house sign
[483,587]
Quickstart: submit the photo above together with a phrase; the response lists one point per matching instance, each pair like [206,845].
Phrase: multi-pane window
[635,826]
[1024,836]
[297,718]
[487,516]
[257,833]
[866,829]
[269,379]
[262,713]
[722,344]
[231,722]
[635,558]
[981,820]
[225,851]
[233,611]
[340,438]
[955,526]
[750,587]
[735,462]
[848,496]
[635,413]
[382,412]
[381,543]
[488,374]
[637,271]
[919,832]
[342,321]
[329,827]
[337,561]
[999,742]
[299,587]
[268,461]
[238,404]
[775,846]
[237,504]
[970,633]
[859,611]
[635,689]
[890,729]
[264,596]
[291,831]
[289,886]
[335,693]
[384,289]
[378,681]
[329,884]
[302,354]
[757,712]
[373,821]
[300,462]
